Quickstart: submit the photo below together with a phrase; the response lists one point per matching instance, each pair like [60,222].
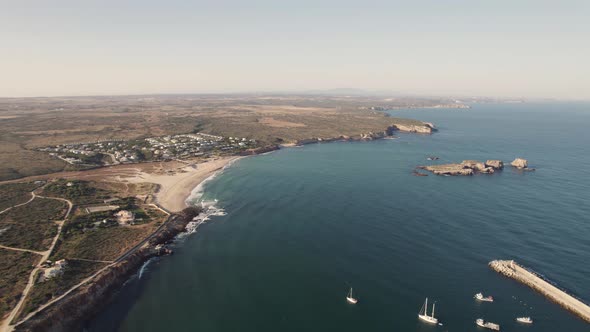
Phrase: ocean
[294,229]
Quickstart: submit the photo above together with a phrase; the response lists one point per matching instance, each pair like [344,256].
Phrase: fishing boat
[423,314]
[350,298]
[487,325]
[525,320]
[480,297]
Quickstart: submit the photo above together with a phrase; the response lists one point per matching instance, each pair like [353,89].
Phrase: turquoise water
[303,224]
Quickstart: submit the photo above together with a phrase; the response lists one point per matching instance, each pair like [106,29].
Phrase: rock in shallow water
[495,164]
[520,163]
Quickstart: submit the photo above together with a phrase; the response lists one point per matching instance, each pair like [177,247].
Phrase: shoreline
[176,182]
[175,189]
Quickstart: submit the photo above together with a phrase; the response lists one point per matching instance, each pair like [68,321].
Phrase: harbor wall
[511,269]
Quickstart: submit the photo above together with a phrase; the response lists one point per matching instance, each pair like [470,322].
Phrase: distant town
[170,147]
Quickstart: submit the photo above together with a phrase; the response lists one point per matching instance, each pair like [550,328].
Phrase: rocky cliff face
[260,150]
[425,128]
[371,135]
[86,301]
[68,314]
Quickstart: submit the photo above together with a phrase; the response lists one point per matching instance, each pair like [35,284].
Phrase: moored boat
[526,320]
[350,298]
[480,297]
[423,314]
[487,325]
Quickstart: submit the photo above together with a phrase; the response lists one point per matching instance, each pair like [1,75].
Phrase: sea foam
[210,207]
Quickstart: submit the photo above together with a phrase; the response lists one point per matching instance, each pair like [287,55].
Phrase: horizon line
[312,92]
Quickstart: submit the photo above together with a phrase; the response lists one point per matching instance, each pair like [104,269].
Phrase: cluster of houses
[154,148]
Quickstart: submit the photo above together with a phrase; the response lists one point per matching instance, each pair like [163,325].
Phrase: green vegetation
[93,160]
[99,220]
[15,267]
[29,124]
[101,244]
[30,226]
[43,291]
[130,204]
[83,222]
[15,193]
[79,192]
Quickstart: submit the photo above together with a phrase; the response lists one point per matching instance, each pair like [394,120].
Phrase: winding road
[44,256]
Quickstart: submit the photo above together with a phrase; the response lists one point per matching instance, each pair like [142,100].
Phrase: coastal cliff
[423,128]
[260,150]
[70,312]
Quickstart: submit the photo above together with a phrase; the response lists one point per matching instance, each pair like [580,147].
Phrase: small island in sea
[471,167]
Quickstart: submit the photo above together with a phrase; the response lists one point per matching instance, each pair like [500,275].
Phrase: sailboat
[423,314]
[349,297]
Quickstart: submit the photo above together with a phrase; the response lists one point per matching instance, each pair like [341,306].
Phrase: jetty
[511,269]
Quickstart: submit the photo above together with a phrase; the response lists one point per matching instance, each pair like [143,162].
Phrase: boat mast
[426,307]
[433,309]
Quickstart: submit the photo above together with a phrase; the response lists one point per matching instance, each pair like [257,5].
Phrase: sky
[516,48]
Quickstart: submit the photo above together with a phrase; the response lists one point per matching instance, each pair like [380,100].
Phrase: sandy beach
[176,179]
[176,187]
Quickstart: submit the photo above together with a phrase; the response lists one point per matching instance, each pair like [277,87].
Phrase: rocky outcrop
[520,163]
[495,164]
[474,165]
[424,128]
[371,135]
[466,167]
[69,313]
[448,169]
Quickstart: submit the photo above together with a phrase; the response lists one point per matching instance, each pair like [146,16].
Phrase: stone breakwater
[511,269]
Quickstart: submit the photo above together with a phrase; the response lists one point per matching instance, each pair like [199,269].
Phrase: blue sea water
[305,224]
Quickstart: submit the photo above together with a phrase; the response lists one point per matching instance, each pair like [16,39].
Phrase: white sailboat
[423,314]
[350,298]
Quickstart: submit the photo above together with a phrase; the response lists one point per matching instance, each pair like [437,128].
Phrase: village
[163,148]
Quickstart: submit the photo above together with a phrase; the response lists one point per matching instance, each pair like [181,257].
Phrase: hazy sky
[509,48]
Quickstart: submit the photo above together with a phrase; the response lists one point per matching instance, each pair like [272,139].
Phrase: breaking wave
[210,206]
[144,268]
